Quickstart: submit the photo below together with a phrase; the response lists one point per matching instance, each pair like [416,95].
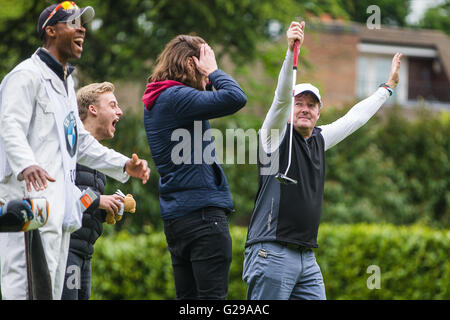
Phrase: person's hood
[154,89]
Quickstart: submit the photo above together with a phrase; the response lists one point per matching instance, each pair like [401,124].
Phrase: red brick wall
[332,59]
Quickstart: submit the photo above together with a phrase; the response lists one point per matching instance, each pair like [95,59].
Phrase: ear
[190,63]
[50,31]
[92,109]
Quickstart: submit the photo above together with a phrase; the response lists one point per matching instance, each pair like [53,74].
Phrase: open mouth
[114,123]
[79,43]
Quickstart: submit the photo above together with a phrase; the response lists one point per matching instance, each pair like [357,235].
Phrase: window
[372,70]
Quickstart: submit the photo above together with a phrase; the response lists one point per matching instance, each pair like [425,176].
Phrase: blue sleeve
[192,104]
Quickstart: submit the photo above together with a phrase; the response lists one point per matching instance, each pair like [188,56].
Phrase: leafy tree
[127,36]
[18,24]
[393,12]
[437,18]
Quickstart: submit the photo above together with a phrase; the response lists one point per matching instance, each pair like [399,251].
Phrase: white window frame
[373,51]
[401,91]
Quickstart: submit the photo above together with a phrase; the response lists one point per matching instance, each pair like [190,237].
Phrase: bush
[392,170]
[413,262]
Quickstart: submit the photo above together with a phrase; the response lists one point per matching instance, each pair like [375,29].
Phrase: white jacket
[29,136]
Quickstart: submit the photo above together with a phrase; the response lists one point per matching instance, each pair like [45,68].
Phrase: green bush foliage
[392,170]
[413,262]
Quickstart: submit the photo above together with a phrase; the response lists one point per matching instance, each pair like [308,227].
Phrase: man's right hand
[36,176]
[111,204]
[295,33]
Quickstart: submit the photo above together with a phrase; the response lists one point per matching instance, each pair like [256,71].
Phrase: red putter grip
[296,50]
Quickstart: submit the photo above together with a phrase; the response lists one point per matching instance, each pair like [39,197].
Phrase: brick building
[348,60]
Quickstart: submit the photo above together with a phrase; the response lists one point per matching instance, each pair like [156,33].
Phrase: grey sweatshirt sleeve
[354,119]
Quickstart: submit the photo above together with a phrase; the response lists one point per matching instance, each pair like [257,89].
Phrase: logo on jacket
[71,133]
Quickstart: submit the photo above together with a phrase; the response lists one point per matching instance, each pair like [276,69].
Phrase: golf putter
[283,177]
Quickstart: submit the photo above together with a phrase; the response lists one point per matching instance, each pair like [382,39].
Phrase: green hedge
[413,262]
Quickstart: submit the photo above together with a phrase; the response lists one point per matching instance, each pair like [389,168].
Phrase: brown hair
[172,62]
[89,94]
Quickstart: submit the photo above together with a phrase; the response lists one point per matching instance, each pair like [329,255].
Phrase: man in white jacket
[41,139]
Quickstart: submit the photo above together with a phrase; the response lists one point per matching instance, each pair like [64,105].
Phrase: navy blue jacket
[196,182]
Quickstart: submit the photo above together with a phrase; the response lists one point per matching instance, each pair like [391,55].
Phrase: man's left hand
[138,168]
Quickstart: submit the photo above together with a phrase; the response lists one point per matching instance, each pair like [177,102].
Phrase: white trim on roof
[388,49]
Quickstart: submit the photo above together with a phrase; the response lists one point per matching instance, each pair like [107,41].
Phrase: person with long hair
[194,195]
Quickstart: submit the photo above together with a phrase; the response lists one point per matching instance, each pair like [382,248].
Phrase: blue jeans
[276,272]
[77,282]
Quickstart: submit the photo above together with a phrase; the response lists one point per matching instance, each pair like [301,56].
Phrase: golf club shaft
[294,79]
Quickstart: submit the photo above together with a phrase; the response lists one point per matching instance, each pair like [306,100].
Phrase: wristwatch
[384,85]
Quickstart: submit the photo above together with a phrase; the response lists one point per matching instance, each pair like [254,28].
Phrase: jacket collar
[154,89]
[51,70]
[54,64]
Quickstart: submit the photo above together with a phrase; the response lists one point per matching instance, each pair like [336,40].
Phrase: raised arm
[193,104]
[278,113]
[359,114]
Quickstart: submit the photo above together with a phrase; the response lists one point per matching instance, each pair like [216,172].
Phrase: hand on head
[206,64]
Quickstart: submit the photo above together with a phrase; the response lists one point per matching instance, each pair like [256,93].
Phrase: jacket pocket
[45,120]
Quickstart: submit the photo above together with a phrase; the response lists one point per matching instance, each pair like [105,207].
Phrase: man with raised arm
[279,260]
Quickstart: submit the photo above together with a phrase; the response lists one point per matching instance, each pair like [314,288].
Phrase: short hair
[89,94]
[171,63]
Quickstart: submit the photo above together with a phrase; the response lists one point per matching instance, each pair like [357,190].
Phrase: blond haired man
[99,111]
